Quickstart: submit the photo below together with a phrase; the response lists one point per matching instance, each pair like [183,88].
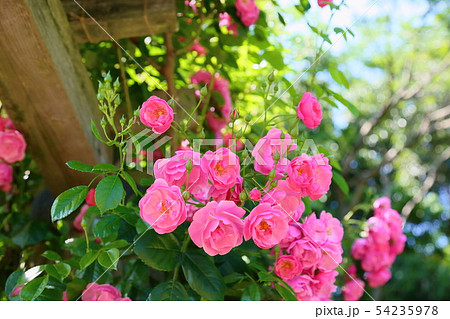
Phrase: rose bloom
[284,198]
[217,227]
[6,176]
[197,47]
[378,230]
[222,167]
[247,11]
[157,114]
[323,285]
[381,204]
[227,194]
[79,218]
[359,248]
[379,278]
[12,146]
[323,3]
[96,292]
[309,111]
[294,233]
[302,286]
[163,207]
[267,226]
[307,252]
[287,267]
[266,148]
[6,124]
[325,229]
[331,256]
[255,194]
[376,257]
[353,289]
[173,169]
[90,198]
[310,175]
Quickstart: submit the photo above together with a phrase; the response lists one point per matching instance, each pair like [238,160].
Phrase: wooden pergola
[44,85]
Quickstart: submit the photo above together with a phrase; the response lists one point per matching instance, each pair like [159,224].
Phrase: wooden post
[46,90]
[120,18]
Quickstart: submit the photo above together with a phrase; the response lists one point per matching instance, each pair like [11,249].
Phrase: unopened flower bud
[276,156]
[122,120]
[248,118]
[186,195]
[234,114]
[204,90]
[117,100]
[108,77]
[201,135]
[136,113]
[189,165]
[271,77]
[274,184]
[239,134]
[273,174]
[103,122]
[116,83]
[243,196]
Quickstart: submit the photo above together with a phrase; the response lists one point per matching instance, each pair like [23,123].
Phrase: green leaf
[161,252]
[251,293]
[338,76]
[105,167]
[109,258]
[265,276]
[96,133]
[117,244]
[75,288]
[68,201]
[107,226]
[58,271]
[352,108]
[126,176]
[340,181]
[280,17]
[34,288]
[128,214]
[203,276]
[274,57]
[78,166]
[109,193]
[51,255]
[12,281]
[285,293]
[169,291]
[88,259]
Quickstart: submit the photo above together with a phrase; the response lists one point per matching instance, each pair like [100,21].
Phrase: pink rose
[376,257]
[90,198]
[247,11]
[309,111]
[307,252]
[79,218]
[379,278]
[267,147]
[255,194]
[331,256]
[381,204]
[398,244]
[227,194]
[217,227]
[287,200]
[197,47]
[323,285]
[323,3]
[6,176]
[173,170]
[302,286]
[267,226]
[163,207]
[96,292]
[294,233]
[12,146]
[310,175]
[157,114]
[224,19]
[378,230]
[192,4]
[353,289]
[229,141]
[64,296]
[325,229]
[287,267]
[222,167]
[359,248]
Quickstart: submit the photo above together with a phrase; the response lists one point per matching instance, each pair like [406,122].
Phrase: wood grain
[46,90]
[120,18]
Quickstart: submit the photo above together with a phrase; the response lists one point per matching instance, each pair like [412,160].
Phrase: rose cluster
[310,253]
[12,149]
[385,240]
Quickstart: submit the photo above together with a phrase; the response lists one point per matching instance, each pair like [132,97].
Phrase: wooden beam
[120,18]
[46,90]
